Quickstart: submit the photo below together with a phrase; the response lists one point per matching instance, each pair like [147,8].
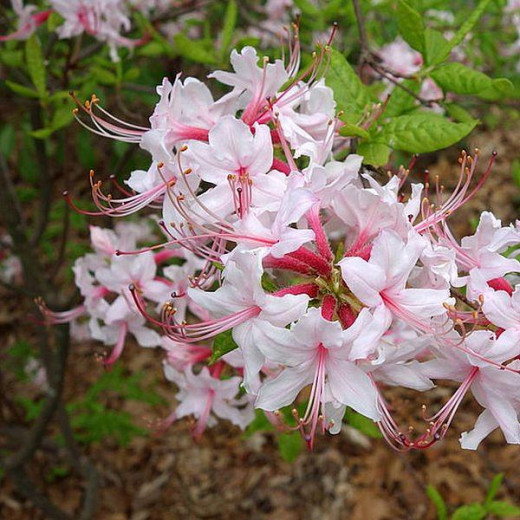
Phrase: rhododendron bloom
[286,275]
[316,351]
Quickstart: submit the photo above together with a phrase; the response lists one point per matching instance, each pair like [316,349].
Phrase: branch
[45,179]
[29,490]
[363,40]
[55,369]
[369,58]
[86,468]
[14,222]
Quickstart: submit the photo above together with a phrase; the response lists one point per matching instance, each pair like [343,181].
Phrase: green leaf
[350,93]
[222,344]
[21,89]
[42,133]
[308,9]
[54,21]
[458,113]
[12,58]
[62,116]
[7,140]
[132,74]
[400,101]
[28,165]
[470,512]
[438,502]
[494,486]
[268,283]
[363,424]
[352,130]
[104,76]
[376,154]
[194,50]
[153,49]
[230,21]
[85,152]
[423,132]
[503,509]
[457,78]
[466,27]
[411,25]
[500,89]
[290,445]
[436,47]
[35,64]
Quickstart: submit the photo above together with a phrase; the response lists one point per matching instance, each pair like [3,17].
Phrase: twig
[55,369]
[86,468]
[360,20]
[30,491]
[463,299]
[45,179]
[37,280]
[367,57]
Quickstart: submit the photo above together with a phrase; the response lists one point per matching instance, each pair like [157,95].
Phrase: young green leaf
[268,283]
[350,93]
[222,344]
[458,113]
[436,47]
[352,130]
[376,154]
[104,76]
[401,101]
[12,58]
[290,445]
[457,78]
[423,132]
[194,50]
[438,502]
[494,486]
[35,64]
[7,140]
[501,88]
[503,509]
[62,116]
[411,25]
[230,21]
[22,90]
[470,512]
[42,133]
[308,9]
[466,27]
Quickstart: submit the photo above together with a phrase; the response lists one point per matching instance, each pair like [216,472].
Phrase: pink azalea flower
[482,252]
[253,83]
[28,20]
[243,305]
[277,227]
[207,397]
[316,351]
[382,280]
[494,389]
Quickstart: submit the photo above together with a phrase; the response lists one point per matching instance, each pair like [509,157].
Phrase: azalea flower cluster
[298,278]
[105,20]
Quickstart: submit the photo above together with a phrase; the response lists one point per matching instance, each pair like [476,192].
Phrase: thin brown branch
[30,491]
[45,179]
[360,20]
